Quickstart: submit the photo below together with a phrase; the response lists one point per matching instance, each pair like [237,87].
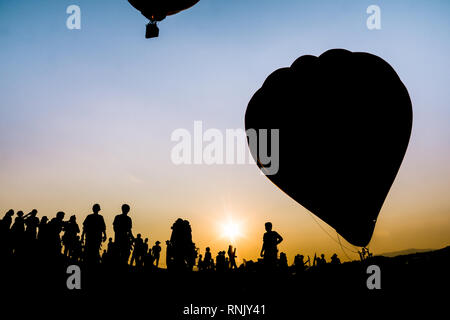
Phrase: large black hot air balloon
[344,123]
[157,10]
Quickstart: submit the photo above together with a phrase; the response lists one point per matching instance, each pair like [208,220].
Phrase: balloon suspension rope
[332,238]
[342,248]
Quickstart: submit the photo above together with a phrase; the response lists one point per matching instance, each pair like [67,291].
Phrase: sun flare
[231,230]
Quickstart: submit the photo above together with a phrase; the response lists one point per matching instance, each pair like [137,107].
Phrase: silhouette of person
[94,232]
[7,219]
[156,252]
[54,229]
[5,235]
[138,252]
[31,223]
[145,246]
[335,260]
[364,254]
[169,255]
[123,236]
[212,267]
[182,248]
[300,264]
[320,261]
[269,250]
[232,257]
[71,230]
[207,261]
[283,263]
[200,264]
[17,233]
[220,261]
[19,223]
[43,230]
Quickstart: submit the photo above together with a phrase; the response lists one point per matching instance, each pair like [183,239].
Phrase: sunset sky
[86,116]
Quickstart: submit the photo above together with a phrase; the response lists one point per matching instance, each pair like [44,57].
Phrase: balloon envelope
[344,123]
[157,10]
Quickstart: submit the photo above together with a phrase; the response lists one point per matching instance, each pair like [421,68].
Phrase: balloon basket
[152,31]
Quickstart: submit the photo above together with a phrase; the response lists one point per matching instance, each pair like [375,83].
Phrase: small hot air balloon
[344,121]
[158,10]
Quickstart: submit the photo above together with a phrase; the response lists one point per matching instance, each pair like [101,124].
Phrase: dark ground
[407,283]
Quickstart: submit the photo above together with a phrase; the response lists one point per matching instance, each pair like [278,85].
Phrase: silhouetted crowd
[25,237]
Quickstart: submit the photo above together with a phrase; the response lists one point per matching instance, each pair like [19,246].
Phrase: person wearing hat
[156,251]
[335,259]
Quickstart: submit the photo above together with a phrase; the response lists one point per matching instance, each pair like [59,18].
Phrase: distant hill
[403,252]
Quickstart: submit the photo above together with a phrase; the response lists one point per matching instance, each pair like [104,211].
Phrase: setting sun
[231,230]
